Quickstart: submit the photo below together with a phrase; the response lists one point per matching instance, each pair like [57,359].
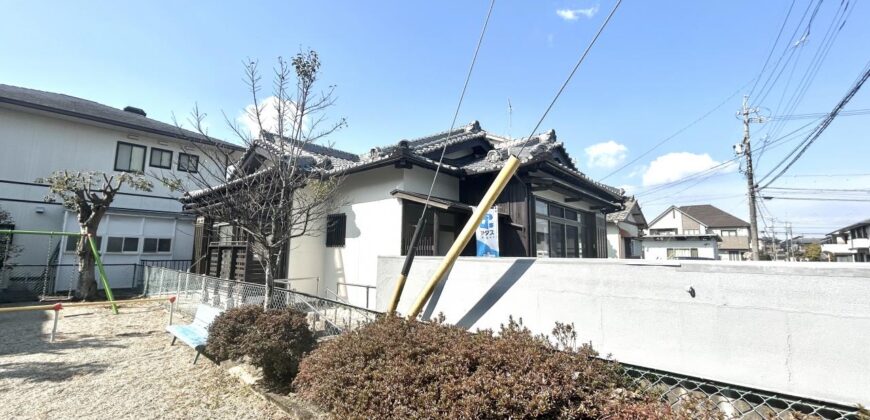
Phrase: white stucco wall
[373,229]
[794,328]
[658,250]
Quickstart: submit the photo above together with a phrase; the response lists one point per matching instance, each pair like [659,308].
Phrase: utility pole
[750,116]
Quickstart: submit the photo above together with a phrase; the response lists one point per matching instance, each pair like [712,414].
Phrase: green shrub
[273,340]
[227,333]
[395,368]
[278,342]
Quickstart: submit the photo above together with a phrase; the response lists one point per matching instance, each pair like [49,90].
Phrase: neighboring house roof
[668,238]
[631,207]
[850,227]
[425,151]
[713,217]
[72,106]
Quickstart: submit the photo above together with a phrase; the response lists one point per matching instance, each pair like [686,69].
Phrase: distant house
[549,209]
[42,132]
[849,244]
[687,232]
[624,230]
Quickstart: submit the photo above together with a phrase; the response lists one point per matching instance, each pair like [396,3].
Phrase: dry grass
[103,366]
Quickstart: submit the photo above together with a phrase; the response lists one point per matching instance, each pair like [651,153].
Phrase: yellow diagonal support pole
[501,180]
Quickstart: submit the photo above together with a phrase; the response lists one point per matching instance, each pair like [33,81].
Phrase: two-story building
[849,244]
[700,231]
[42,132]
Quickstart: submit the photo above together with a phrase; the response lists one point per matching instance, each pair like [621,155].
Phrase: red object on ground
[57,307]
[172,299]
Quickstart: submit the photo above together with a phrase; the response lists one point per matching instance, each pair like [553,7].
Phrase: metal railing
[180,265]
[731,401]
[367,289]
[326,316]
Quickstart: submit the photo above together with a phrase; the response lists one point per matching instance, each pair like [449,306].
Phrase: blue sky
[398,68]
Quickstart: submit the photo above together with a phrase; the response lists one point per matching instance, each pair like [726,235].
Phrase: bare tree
[89,194]
[277,190]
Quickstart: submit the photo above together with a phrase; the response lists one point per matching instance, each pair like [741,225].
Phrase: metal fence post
[187,284]
[57,308]
[162,278]
[146,273]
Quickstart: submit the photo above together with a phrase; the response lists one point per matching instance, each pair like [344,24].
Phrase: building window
[674,253]
[336,227]
[161,158]
[122,244]
[728,232]
[735,256]
[663,232]
[188,162]
[156,245]
[691,231]
[72,241]
[129,157]
[559,231]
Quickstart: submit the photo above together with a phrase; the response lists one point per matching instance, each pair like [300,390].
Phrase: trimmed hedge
[394,368]
[274,340]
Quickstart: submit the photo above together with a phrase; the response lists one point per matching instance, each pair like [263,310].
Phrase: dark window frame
[336,230]
[134,145]
[577,222]
[188,156]
[151,158]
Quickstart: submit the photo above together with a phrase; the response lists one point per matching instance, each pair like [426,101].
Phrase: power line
[772,47]
[804,145]
[574,70]
[678,132]
[409,256]
[850,113]
[767,197]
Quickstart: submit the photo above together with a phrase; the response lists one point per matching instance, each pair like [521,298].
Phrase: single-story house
[549,209]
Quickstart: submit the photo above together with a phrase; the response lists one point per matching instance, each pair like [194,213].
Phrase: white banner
[487,234]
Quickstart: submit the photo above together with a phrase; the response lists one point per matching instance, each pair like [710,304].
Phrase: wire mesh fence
[30,282]
[327,317]
[732,401]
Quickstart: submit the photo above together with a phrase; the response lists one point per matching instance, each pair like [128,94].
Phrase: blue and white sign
[487,234]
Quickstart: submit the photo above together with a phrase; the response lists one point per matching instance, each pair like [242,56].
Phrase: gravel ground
[112,366]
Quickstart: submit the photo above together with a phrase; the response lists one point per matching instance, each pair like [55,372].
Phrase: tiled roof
[96,112]
[539,148]
[623,214]
[712,216]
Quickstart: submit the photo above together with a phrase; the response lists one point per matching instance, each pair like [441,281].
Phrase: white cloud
[268,116]
[574,14]
[674,166]
[605,155]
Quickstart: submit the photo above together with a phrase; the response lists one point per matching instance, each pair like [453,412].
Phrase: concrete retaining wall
[796,328]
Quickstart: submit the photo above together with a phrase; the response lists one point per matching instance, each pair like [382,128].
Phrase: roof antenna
[510,119]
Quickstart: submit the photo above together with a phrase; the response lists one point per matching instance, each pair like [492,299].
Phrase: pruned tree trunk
[87,285]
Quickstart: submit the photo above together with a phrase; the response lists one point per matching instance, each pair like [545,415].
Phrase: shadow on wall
[504,283]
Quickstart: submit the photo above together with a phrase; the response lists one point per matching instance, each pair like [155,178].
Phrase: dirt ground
[112,366]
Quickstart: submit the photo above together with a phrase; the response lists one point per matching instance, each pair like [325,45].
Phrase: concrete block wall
[796,328]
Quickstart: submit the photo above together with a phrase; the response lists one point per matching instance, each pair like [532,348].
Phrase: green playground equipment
[92,246]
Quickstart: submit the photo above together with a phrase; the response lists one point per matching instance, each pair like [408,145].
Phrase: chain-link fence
[732,401]
[31,282]
[327,317]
